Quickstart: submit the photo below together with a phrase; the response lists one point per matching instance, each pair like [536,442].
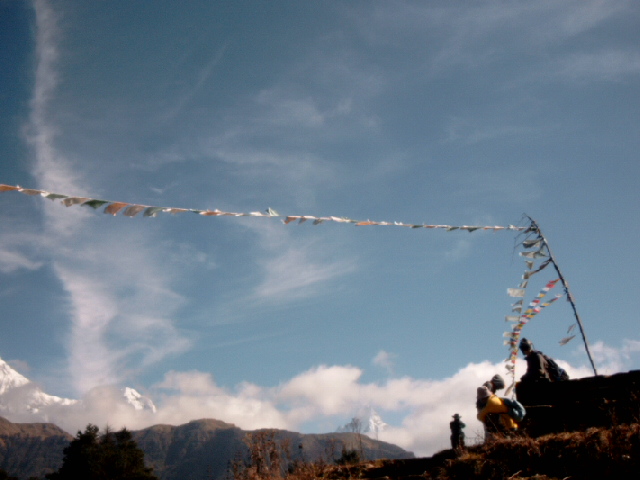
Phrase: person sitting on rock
[540,367]
[537,368]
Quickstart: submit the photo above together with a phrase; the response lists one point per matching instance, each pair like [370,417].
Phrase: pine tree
[111,456]
[5,476]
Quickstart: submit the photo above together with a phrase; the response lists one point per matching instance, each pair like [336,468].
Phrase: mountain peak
[10,378]
[137,400]
[19,395]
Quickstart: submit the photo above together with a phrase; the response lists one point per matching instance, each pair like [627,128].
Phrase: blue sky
[425,113]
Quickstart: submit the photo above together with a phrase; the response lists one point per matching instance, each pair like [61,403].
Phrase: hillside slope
[204,448]
[595,454]
[207,448]
[31,449]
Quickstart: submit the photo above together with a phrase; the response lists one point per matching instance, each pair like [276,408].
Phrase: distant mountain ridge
[206,448]
[31,449]
[202,448]
[199,449]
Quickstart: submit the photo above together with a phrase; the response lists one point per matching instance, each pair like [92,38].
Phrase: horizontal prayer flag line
[131,210]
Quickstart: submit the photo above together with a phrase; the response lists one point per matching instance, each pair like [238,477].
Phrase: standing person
[494,414]
[457,435]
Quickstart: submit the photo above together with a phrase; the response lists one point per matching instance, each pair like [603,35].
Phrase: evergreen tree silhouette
[111,456]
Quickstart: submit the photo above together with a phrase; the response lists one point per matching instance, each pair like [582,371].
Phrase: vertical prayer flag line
[538,249]
[534,307]
[536,229]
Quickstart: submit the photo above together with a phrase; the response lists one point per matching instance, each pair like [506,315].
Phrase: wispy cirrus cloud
[202,77]
[498,184]
[473,38]
[606,66]
[295,267]
[471,132]
[120,298]
[13,255]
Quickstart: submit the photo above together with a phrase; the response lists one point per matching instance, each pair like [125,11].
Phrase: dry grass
[271,459]
[597,453]
[594,454]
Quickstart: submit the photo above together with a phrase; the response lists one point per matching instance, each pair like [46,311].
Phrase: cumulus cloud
[610,359]
[417,411]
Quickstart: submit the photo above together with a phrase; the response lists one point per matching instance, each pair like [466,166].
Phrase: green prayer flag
[94,203]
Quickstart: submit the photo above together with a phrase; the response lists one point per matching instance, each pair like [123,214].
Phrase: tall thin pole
[536,228]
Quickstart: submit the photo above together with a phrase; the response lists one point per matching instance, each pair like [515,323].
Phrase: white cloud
[196,392]
[51,170]
[120,300]
[292,112]
[500,185]
[461,249]
[91,363]
[324,395]
[589,14]
[330,390]
[293,274]
[471,132]
[477,36]
[204,74]
[294,267]
[290,168]
[600,66]
[385,360]
[610,359]
[13,254]
[120,309]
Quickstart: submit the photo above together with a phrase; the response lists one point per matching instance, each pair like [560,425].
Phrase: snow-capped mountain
[9,378]
[19,395]
[138,401]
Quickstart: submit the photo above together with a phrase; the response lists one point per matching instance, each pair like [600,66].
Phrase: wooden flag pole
[535,228]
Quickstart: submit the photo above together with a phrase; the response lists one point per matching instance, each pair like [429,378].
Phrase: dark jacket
[537,368]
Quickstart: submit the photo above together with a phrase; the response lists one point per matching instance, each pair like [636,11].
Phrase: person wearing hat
[537,367]
[457,435]
[493,413]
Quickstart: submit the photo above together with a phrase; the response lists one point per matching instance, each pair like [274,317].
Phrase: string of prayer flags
[132,210]
[566,340]
[535,307]
[536,250]
[517,307]
[533,254]
[539,248]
